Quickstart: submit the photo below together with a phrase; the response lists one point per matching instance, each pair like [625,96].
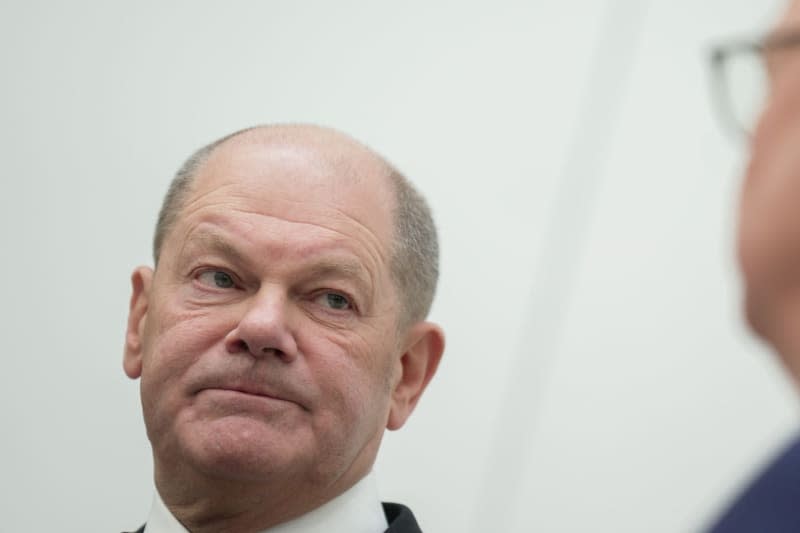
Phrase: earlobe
[418,364]
[141,282]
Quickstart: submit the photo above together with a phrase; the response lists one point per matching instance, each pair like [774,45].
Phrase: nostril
[273,351]
[239,346]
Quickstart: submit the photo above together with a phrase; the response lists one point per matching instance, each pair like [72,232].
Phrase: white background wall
[597,377]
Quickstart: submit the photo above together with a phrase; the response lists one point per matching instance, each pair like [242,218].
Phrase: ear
[141,283]
[424,347]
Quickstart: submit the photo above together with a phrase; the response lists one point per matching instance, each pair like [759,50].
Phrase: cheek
[772,186]
[174,343]
[352,374]
[769,221]
[178,338]
[176,326]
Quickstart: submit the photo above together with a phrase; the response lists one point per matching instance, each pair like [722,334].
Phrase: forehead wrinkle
[208,239]
[230,198]
[193,203]
[378,250]
[204,235]
[344,159]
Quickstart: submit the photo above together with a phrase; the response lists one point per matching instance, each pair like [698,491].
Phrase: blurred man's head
[769,231]
[275,339]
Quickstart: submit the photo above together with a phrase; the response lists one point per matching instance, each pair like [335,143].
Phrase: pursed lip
[251,390]
[246,390]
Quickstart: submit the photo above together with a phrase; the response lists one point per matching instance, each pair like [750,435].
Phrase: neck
[205,505]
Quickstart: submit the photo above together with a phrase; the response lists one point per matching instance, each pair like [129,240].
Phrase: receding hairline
[331,142]
[335,146]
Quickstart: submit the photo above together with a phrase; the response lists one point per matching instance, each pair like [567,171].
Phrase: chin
[763,300]
[774,322]
[240,449]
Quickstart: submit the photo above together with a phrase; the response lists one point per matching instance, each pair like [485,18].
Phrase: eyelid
[350,299]
[199,271]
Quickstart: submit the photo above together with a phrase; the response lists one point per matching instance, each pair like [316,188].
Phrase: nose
[263,329]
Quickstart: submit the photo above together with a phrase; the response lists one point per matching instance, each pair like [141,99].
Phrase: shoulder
[400,519]
[769,503]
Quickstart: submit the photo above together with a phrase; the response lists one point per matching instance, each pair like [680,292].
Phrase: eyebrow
[213,241]
[344,269]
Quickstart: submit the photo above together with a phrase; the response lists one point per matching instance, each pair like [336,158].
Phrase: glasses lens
[746,85]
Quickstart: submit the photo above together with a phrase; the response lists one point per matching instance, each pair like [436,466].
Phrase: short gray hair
[415,250]
[179,189]
[415,247]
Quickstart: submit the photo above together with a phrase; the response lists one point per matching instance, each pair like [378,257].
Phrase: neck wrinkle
[204,505]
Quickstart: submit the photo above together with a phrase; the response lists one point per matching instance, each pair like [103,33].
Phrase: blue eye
[217,278]
[336,301]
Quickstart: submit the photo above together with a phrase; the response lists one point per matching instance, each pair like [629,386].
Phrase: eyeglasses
[741,71]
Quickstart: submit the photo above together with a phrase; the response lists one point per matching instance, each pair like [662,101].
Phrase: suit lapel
[400,519]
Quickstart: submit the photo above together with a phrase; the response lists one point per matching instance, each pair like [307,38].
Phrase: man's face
[269,345]
[769,232]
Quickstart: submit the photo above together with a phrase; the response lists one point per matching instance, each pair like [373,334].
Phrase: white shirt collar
[357,510]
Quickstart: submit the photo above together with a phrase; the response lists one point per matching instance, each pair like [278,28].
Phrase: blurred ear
[424,347]
[141,282]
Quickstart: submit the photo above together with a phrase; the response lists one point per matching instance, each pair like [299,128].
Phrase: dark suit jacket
[399,517]
[771,503]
